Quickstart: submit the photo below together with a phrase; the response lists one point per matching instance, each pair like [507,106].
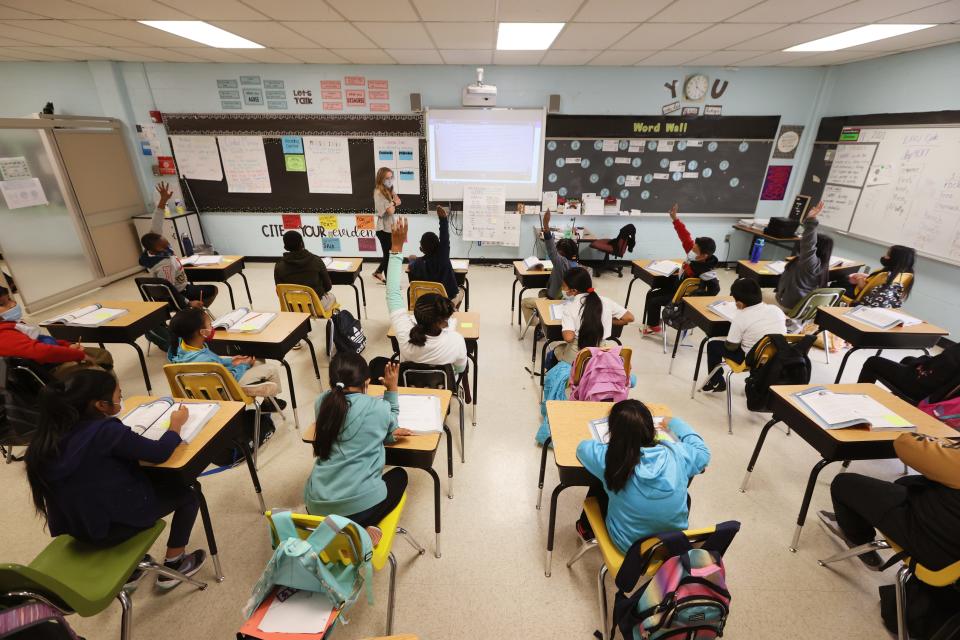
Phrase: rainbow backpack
[687,597]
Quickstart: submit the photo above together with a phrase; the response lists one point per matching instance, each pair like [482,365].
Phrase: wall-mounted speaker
[554,105]
[415,103]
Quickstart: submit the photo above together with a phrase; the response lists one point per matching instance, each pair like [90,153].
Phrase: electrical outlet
[726,238]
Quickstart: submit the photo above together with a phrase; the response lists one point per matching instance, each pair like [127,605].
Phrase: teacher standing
[385,202]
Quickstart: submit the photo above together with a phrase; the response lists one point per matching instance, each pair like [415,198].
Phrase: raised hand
[391,376]
[674,210]
[546,220]
[813,213]
[441,212]
[165,194]
[398,235]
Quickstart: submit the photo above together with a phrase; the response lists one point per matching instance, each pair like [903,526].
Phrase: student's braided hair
[430,310]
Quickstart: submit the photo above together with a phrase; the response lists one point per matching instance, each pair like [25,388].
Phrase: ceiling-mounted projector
[479,94]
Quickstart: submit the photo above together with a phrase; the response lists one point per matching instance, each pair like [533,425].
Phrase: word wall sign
[235,94]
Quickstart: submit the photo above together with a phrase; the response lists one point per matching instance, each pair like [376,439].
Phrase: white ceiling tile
[721,36]
[517,57]
[620,58]
[140,33]
[167,55]
[62,9]
[617,10]
[569,58]
[94,53]
[74,31]
[42,53]
[365,56]
[785,10]
[463,35]
[295,9]
[466,56]
[724,58]
[136,9]
[135,55]
[940,33]
[395,35]
[671,58]
[700,11]
[267,33]
[400,10]
[450,11]
[332,34]
[6,13]
[415,56]
[216,9]
[212,54]
[18,34]
[315,56]
[537,10]
[789,36]
[866,11]
[653,37]
[773,59]
[272,56]
[591,35]
[935,14]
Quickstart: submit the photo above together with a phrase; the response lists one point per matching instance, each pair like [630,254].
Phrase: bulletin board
[289,188]
[708,164]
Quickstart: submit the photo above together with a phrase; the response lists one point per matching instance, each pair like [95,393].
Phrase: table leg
[246,285]
[543,468]
[143,366]
[756,452]
[313,356]
[807,495]
[363,294]
[696,368]
[356,294]
[208,529]
[252,468]
[520,308]
[476,380]
[533,347]
[553,525]
[513,298]
[233,304]
[843,364]
[629,289]
[436,506]
[466,294]
[293,393]
[446,431]
[543,361]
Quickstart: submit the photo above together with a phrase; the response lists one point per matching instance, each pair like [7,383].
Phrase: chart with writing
[328,164]
[198,157]
[483,213]
[244,164]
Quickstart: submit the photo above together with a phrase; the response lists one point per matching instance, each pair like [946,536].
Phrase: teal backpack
[297,563]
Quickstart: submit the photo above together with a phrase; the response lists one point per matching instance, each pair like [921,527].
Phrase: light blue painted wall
[27,86]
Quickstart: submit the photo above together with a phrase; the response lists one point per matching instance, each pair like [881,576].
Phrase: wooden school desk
[640,272]
[349,276]
[569,426]
[417,451]
[713,326]
[527,279]
[865,336]
[839,444]
[188,461]
[459,274]
[140,318]
[228,267]
[785,242]
[273,343]
[768,279]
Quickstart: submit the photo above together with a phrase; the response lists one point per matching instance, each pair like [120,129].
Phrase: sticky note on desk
[466,325]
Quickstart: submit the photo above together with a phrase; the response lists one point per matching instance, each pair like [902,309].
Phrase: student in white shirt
[588,317]
[754,320]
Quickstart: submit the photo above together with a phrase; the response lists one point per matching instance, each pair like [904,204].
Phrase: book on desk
[336,265]
[845,410]
[882,318]
[600,430]
[92,315]
[532,263]
[152,420]
[243,320]
[726,309]
[664,267]
[196,260]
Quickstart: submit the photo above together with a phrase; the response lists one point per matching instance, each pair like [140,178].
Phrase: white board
[850,164]
[197,157]
[245,164]
[328,164]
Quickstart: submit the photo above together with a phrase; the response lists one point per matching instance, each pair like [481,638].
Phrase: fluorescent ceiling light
[527,36]
[861,35]
[203,33]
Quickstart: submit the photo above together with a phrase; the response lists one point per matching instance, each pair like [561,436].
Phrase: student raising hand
[398,235]
[674,210]
[813,213]
[391,376]
[441,212]
[165,194]
[546,220]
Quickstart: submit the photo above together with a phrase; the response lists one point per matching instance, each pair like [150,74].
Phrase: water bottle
[180,209]
[756,250]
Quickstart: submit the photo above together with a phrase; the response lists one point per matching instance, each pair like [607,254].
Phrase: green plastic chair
[76,577]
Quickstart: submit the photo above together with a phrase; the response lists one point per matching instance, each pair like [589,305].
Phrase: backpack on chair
[603,377]
[789,365]
[345,333]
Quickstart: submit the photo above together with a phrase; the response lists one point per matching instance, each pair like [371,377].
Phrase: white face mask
[691,256]
[388,183]
[13,314]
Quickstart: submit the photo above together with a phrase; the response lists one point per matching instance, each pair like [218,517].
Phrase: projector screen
[485,146]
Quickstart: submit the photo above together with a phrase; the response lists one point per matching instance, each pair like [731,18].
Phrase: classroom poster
[775,185]
[25,192]
[402,156]
[365,222]
[245,164]
[198,157]
[483,213]
[328,164]
[14,168]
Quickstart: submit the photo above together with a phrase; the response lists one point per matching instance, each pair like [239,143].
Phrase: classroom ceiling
[598,32]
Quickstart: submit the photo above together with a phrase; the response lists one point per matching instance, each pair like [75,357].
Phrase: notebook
[420,414]
[460,265]
[90,316]
[882,318]
[777,266]
[534,263]
[285,614]
[724,308]
[843,410]
[199,261]
[556,311]
[664,267]
[337,265]
[600,429]
[152,420]
[242,320]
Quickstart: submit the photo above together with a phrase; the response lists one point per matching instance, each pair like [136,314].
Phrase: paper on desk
[303,612]
[198,260]
[339,265]
[460,264]
[777,266]
[663,267]
[420,414]
[841,410]
[725,309]
[556,311]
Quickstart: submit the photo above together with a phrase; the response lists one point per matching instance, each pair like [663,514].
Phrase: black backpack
[345,333]
[789,365]
[232,455]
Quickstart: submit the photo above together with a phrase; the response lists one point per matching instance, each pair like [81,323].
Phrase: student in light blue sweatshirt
[347,477]
[643,476]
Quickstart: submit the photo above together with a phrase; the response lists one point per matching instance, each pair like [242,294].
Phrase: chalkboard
[289,188]
[713,165]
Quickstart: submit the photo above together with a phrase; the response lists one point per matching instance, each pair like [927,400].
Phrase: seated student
[920,513]
[19,339]
[917,377]
[810,269]
[435,264]
[191,329]
[755,320]
[643,479]
[83,467]
[299,266]
[352,427]
[889,294]
[563,254]
[160,261]
[425,337]
[700,263]
[588,317]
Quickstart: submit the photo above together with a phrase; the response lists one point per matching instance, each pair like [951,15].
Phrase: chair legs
[126,618]
[584,547]
[903,574]
[874,545]
[826,345]
[172,573]
[391,593]
[411,540]
[256,434]
[602,600]
[729,403]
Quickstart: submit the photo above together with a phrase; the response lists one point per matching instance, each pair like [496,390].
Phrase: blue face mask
[13,314]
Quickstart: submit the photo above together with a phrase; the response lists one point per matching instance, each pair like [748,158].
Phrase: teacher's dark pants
[385,242]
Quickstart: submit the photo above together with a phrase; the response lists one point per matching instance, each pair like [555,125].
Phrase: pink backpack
[946,411]
[603,378]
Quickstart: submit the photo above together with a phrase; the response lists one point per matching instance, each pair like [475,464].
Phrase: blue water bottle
[756,250]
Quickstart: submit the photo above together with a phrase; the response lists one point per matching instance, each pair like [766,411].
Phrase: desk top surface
[521,270]
[700,304]
[924,328]
[136,310]
[355,265]
[759,232]
[278,330]
[225,261]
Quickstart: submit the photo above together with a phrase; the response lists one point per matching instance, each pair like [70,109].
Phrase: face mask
[885,261]
[388,183]
[207,334]
[691,256]
[13,314]
[119,410]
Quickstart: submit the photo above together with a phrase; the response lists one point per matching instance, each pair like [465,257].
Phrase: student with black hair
[810,269]
[700,263]
[754,320]
[83,466]
[435,265]
[160,261]
[300,266]
[588,317]
[889,294]
[643,477]
[347,476]
[563,255]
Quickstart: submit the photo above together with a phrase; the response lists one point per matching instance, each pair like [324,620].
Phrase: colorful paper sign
[378,84]
[292,144]
[166,165]
[379,94]
[291,221]
[355,81]
[333,106]
[365,223]
[330,85]
[329,222]
[356,97]
[295,163]
[367,244]
[331,244]
[380,106]
[331,95]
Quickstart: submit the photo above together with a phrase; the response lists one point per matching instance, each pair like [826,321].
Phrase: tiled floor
[490,581]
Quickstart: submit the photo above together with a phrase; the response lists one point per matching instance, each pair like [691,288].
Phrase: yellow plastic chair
[419,288]
[341,547]
[945,577]
[583,357]
[297,298]
[212,381]
[905,280]
[651,548]
[687,287]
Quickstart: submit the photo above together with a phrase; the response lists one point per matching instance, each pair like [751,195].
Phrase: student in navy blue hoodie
[435,264]
[84,472]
